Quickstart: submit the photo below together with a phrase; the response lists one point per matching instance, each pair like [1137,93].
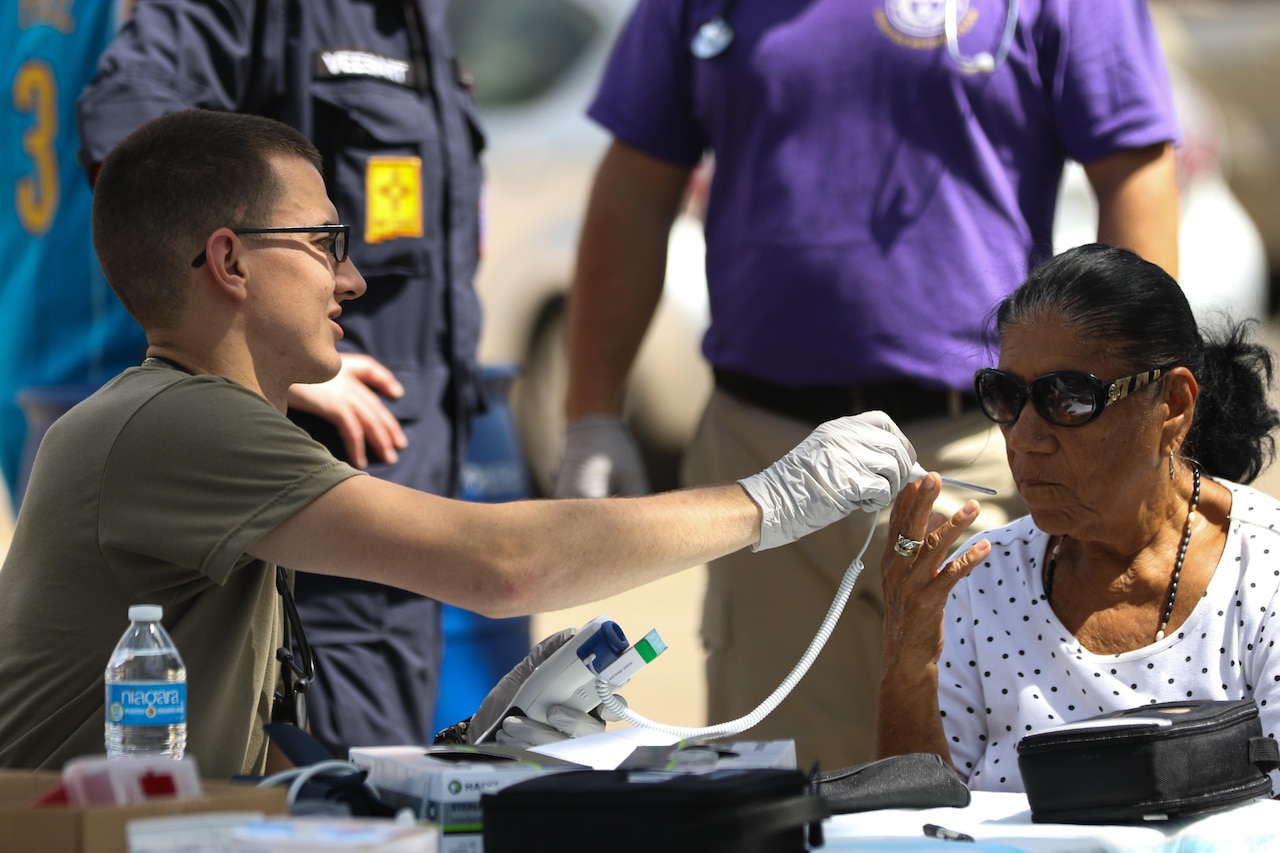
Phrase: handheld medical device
[918,472]
[962,484]
[584,672]
[598,653]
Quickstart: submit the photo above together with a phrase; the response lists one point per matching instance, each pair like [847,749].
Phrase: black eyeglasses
[337,247]
[297,671]
[1066,398]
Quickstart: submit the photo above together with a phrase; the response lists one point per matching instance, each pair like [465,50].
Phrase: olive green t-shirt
[149,492]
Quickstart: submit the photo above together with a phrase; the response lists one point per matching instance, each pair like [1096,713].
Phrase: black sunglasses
[297,670]
[337,248]
[1066,398]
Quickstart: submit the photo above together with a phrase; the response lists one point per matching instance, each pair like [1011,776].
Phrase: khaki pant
[762,609]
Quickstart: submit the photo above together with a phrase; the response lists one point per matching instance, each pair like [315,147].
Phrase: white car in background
[536,64]
[1222,257]
[1231,48]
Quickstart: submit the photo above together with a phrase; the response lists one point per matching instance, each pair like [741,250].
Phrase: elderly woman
[1145,572]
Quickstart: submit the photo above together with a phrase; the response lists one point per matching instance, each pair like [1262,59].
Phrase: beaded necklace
[1177,566]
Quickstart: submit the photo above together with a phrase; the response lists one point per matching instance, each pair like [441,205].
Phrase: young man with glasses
[375,85]
[182,483]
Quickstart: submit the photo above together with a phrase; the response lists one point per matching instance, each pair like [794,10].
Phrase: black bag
[919,780]
[1149,763]
[756,810]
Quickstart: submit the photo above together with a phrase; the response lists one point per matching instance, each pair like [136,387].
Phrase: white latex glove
[600,460]
[565,723]
[858,462]
[521,731]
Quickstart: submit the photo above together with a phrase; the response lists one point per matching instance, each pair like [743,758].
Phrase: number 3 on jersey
[36,196]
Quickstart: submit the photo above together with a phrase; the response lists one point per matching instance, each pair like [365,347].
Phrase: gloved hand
[600,459]
[521,731]
[564,723]
[857,462]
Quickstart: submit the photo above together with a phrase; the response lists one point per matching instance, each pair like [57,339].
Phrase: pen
[934,831]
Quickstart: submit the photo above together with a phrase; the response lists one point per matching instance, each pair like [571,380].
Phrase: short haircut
[172,182]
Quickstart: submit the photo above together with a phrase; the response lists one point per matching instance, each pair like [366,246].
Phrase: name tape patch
[334,64]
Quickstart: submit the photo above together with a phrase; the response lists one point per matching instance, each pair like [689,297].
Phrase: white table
[1001,823]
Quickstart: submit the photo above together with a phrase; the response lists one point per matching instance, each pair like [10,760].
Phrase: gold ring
[905,547]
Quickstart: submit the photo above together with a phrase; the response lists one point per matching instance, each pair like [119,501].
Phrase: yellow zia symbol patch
[393,193]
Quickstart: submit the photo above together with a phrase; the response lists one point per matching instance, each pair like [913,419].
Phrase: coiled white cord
[615,706]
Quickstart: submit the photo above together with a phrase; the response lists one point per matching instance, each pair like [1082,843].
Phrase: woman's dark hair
[1137,314]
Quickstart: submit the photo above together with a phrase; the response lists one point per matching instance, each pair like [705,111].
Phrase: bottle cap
[145,613]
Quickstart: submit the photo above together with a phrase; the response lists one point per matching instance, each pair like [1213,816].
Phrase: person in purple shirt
[885,172]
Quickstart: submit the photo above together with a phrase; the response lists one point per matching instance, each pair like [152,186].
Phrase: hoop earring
[1171,472]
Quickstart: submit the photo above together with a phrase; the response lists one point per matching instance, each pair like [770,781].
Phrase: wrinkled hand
[857,462]
[918,584]
[600,459]
[352,402]
[520,731]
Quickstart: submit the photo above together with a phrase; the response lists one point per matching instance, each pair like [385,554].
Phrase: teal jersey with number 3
[61,326]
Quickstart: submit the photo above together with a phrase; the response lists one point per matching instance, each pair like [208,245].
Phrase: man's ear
[226,263]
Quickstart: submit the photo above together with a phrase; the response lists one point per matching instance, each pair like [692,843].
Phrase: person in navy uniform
[374,84]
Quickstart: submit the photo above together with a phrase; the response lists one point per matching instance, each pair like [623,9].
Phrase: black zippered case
[919,780]
[756,810]
[1153,762]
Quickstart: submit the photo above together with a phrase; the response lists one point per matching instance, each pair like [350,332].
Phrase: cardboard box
[62,829]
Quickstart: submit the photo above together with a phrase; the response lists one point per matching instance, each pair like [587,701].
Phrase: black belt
[902,400]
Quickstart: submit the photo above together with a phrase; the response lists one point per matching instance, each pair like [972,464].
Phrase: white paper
[607,750]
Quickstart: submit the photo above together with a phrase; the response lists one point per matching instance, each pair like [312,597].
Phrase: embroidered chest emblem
[918,23]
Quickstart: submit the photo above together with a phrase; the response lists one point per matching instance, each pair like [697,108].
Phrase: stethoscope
[713,37]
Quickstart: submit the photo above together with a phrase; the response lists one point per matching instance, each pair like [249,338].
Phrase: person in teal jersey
[62,327]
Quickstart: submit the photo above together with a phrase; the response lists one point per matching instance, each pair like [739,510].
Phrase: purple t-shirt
[871,202]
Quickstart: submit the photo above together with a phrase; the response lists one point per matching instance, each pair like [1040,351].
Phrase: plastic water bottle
[146,690]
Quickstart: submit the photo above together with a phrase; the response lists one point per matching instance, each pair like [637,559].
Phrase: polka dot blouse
[1010,668]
